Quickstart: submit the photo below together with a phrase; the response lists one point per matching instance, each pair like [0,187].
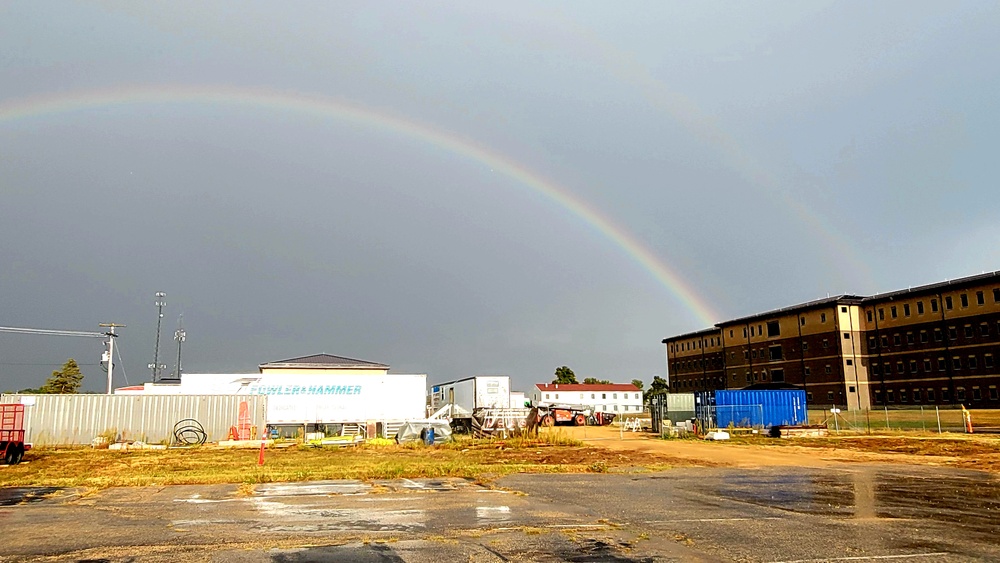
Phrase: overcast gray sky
[465,188]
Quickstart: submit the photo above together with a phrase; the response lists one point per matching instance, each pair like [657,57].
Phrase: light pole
[156,366]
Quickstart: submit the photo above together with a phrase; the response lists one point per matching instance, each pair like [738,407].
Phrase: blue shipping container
[760,408]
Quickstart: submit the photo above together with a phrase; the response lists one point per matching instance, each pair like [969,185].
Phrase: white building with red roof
[620,398]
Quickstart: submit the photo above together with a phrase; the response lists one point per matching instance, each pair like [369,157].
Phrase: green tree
[564,375]
[595,381]
[658,387]
[64,381]
[638,383]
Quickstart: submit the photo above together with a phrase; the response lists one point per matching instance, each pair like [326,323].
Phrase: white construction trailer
[465,397]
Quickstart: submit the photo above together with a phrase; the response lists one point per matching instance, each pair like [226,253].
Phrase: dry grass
[473,459]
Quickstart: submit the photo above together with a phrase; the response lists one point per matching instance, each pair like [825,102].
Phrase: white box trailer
[466,396]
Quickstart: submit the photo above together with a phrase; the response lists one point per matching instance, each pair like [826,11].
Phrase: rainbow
[331,108]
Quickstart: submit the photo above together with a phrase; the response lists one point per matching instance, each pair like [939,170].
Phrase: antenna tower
[156,366]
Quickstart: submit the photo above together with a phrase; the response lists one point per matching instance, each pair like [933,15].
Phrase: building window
[805,346]
[850,389]
[751,331]
[774,353]
[972,362]
[744,332]
[895,339]
[968,331]
[802,321]
[956,363]
[960,393]
[889,397]
[993,393]
[826,343]
[869,314]
[980,298]
[977,394]
[909,338]
[809,396]
[829,396]
[808,371]
[872,343]
[942,366]
[906,309]
[892,311]
[592,396]
[604,395]
[876,369]
[754,354]
[984,329]
[937,335]
[952,333]
[927,365]
[930,395]
[885,341]
[847,336]
[913,366]
[822,317]
[923,336]
[614,396]
[615,407]
[947,303]
[850,362]
[546,395]
[828,369]
[944,394]
[988,360]
[965,300]
[934,306]
[746,355]
[773,329]
[843,309]
[899,367]
[996,294]
[920,307]
[749,378]
[902,395]
[881,314]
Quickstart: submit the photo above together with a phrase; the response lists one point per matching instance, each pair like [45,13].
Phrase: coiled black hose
[189,432]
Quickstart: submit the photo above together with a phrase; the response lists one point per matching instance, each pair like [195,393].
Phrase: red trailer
[12,446]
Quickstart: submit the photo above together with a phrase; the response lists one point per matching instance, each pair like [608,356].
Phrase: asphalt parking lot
[849,513]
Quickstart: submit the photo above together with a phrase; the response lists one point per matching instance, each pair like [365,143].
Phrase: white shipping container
[481,391]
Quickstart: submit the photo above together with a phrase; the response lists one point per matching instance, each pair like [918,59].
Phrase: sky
[457,188]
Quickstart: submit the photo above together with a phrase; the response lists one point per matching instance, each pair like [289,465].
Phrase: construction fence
[927,418]
[65,420]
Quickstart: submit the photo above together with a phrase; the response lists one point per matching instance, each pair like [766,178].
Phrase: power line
[42,364]
[20,330]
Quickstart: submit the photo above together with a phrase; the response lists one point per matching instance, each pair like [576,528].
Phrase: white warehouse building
[621,398]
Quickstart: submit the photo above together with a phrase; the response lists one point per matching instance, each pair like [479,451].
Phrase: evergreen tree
[64,381]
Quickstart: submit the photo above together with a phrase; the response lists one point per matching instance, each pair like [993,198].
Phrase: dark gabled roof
[710,330]
[947,284]
[826,301]
[323,361]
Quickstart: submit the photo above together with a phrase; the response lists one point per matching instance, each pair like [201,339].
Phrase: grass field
[480,460]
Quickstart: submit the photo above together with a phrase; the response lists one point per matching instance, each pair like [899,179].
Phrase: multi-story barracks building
[931,345]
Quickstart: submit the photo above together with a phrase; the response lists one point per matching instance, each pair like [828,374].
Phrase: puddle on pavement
[25,495]
[967,499]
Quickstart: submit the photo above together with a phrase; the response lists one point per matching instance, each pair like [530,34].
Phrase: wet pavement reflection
[964,498]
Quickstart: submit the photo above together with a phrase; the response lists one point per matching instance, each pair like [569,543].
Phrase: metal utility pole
[156,366]
[179,336]
[111,350]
